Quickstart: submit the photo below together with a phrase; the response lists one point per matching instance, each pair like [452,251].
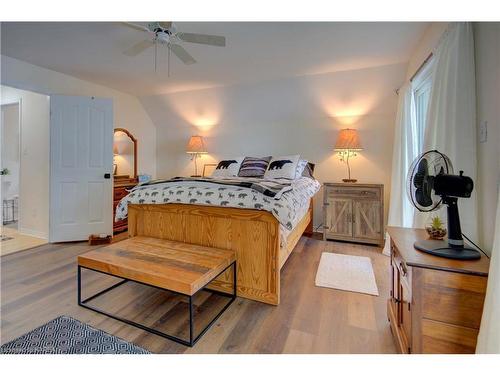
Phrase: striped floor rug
[65,335]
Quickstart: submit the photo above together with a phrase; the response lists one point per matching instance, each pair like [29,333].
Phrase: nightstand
[353,212]
[121,188]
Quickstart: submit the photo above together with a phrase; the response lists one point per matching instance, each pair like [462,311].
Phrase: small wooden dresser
[120,188]
[436,303]
[353,212]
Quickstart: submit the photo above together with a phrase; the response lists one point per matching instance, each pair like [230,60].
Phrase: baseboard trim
[33,233]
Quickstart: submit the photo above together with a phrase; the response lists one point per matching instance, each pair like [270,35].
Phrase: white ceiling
[254,51]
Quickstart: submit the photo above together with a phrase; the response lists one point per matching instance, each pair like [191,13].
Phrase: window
[421,87]
[415,107]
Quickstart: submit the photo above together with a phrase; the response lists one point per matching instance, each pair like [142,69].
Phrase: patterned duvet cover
[288,209]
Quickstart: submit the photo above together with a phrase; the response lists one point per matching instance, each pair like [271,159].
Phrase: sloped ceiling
[254,52]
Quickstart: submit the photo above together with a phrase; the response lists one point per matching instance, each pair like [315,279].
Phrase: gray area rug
[65,335]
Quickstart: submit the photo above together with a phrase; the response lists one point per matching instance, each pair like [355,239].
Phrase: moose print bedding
[288,203]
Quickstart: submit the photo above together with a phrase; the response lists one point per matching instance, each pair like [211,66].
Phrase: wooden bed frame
[252,234]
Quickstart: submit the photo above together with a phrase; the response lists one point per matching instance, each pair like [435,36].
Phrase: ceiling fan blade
[182,54]
[138,48]
[212,40]
[165,25]
[136,26]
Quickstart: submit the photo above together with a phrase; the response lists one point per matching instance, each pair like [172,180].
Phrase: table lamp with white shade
[347,146]
[196,147]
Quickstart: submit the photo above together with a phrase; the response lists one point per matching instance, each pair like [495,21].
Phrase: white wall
[487,47]
[294,115]
[34,172]
[128,111]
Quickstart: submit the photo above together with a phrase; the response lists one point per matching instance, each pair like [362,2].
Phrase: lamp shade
[196,145]
[348,139]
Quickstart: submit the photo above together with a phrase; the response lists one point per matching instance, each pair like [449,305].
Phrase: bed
[261,221]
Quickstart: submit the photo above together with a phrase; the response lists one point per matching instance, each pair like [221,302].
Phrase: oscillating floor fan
[431,183]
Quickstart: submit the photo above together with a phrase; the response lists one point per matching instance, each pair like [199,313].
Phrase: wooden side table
[354,212]
[435,304]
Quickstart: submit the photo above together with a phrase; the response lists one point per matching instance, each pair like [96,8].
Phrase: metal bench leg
[79,285]
[234,280]
[192,338]
[191,321]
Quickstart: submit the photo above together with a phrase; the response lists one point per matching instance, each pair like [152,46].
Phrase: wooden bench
[176,267]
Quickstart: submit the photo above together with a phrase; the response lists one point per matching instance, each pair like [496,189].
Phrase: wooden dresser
[354,212]
[436,303]
[120,188]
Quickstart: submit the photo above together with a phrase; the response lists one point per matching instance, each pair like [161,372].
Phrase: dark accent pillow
[254,167]
[309,170]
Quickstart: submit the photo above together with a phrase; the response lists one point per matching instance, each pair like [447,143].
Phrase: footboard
[252,234]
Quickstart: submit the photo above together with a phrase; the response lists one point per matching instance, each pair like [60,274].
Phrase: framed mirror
[124,154]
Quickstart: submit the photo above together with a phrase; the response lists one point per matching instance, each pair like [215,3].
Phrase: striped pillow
[254,167]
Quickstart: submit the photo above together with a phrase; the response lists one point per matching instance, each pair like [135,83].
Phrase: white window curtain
[451,119]
[488,341]
[450,128]
[404,151]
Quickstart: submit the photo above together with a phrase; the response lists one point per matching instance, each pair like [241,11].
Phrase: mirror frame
[135,147]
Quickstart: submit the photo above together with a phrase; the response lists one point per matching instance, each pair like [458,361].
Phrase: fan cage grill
[437,162]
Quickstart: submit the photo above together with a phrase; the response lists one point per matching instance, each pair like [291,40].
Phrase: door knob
[107,175]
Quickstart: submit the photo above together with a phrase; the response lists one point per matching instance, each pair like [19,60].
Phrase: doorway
[21,151]
[10,164]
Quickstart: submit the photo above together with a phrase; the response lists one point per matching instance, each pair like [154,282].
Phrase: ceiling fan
[165,33]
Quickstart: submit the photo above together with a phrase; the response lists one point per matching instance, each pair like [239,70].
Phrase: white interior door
[81,166]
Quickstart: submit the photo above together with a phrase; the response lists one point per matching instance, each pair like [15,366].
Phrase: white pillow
[227,168]
[282,167]
[301,165]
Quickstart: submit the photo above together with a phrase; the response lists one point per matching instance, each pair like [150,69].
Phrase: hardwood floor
[40,284]
[18,241]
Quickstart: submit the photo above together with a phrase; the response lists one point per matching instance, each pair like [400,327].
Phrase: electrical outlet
[483,131]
